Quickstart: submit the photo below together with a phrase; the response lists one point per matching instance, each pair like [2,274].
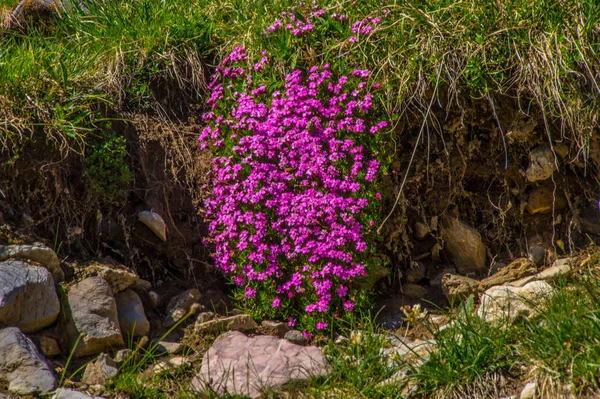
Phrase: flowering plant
[290,209]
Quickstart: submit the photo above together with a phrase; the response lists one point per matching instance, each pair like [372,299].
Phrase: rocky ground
[69,338]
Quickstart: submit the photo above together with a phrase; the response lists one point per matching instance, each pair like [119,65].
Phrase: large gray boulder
[240,365]
[22,366]
[38,253]
[132,318]
[93,317]
[28,298]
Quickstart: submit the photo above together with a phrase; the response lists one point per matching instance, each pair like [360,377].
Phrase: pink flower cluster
[296,25]
[289,184]
[365,26]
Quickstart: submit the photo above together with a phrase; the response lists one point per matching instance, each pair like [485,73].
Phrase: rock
[132,318]
[36,253]
[116,275]
[166,347]
[22,366]
[421,231]
[65,393]
[94,317]
[296,337]
[241,322]
[414,291]
[100,371]
[122,355]
[529,391]
[510,303]
[560,268]
[155,222]
[541,164]
[517,269]
[240,365]
[458,288]
[464,245]
[28,297]
[542,200]
[416,272]
[436,280]
[48,346]
[180,305]
[204,317]
[154,299]
[142,286]
[537,254]
[275,328]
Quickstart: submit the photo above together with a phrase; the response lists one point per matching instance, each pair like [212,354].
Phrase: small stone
[142,286]
[154,299]
[296,337]
[122,355]
[537,254]
[542,164]
[275,328]
[421,231]
[241,322]
[22,366]
[414,291]
[543,200]
[458,288]
[132,318]
[166,347]
[416,272]
[436,281]
[49,346]
[204,317]
[529,391]
[94,317]
[116,275]
[100,371]
[180,305]
[464,245]
[155,222]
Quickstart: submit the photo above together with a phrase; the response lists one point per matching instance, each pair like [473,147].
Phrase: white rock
[155,222]
[509,303]
[529,391]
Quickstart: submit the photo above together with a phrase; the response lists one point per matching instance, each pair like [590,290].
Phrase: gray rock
[65,393]
[560,268]
[154,299]
[242,322]
[204,317]
[22,366]
[296,337]
[132,318]
[142,286]
[464,245]
[180,305]
[506,303]
[458,288]
[155,222]
[414,291]
[275,328]
[100,371]
[240,365]
[541,164]
[94,317]
[116,275]
[48,346]
[38,253]
[166,347]
[28,297]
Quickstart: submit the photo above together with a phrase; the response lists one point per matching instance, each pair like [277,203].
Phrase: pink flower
[377,195]
[321,325]
[291,321]
[250,292]
[348,306]
[276,302]
[307,335]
